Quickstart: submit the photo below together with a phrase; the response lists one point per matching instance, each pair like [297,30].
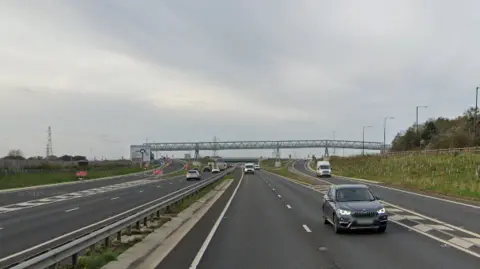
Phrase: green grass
[101,256]
[20,180]
[442,174]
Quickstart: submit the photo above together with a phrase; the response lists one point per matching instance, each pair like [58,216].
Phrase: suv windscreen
[192,171]
[354,195]
[324,167]
[248,166]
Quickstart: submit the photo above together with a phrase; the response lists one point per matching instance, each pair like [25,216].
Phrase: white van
[324,169]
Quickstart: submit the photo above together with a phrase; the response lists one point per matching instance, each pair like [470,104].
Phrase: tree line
[440,133]
[17,154]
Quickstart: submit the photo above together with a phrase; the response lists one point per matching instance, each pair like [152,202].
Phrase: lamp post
[334,149]
[385,132]
[417,117]
[363,138]
[475,118]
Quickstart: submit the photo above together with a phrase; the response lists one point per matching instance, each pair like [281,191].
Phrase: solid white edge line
[99,222]
[72,209]
[114,198]
[409,192]
[408,227]
[205,244]
[306,228]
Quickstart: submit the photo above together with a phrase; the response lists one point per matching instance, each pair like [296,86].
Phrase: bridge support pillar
[278,162]
[197,152]
[326,155]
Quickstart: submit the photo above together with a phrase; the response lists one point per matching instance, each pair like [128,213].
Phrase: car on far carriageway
[215,170]
[193,174]
[353,207]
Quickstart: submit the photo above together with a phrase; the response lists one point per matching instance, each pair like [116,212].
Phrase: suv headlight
[343,212]
[381,211]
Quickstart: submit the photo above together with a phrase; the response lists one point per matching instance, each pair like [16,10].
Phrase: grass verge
[102,255]
[441,174]
[20,180]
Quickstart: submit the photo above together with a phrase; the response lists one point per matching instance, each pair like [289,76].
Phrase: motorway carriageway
[37,226]
[17,196]
[267,221]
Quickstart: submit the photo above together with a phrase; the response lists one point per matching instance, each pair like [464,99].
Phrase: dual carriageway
[261,221]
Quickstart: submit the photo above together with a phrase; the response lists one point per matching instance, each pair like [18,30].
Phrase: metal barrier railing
[72,248]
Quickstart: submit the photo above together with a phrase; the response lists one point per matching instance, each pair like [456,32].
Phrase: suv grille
[361,214]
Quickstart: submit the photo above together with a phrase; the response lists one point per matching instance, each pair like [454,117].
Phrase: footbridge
[265,144]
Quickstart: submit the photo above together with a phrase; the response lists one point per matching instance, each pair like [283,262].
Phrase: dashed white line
[289,207]
[273,189]
[72,209]
[115,198]
[140,191]
[1,228]
[279,196]
[159,186]
[306,228]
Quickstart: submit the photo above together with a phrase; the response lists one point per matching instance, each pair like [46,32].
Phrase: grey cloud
[360,64]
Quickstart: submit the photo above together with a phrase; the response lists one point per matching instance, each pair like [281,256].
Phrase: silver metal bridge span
[266,144]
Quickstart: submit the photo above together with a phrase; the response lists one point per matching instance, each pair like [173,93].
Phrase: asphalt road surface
[25,228]
[275,223]
[18,196]
[464,215]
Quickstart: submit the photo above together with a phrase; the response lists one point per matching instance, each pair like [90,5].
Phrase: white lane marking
[438,239]
[28,204]
[115,198]
[397,216]
[289,207]
[140,191]
[306,228]
[72,209]
[273,189]
[395,219]
[279,196]
[159,186]
[205,244]
[7,209]
[165,197]
[419,194]
[1,228]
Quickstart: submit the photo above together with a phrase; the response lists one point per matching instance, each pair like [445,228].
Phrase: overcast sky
[107,74]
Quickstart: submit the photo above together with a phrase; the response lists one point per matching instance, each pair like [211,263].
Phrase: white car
[249,168]
[215,170]
[193,174]
[257,167]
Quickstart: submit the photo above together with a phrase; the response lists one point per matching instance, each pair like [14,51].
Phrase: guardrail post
[145,221]
[75,259]
[137,225]
[129,230]
[119,236]
[158,213]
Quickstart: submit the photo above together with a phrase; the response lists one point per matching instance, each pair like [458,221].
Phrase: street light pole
[363,138]
[417,117]
[385,132]
[334,149]
[475,118]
